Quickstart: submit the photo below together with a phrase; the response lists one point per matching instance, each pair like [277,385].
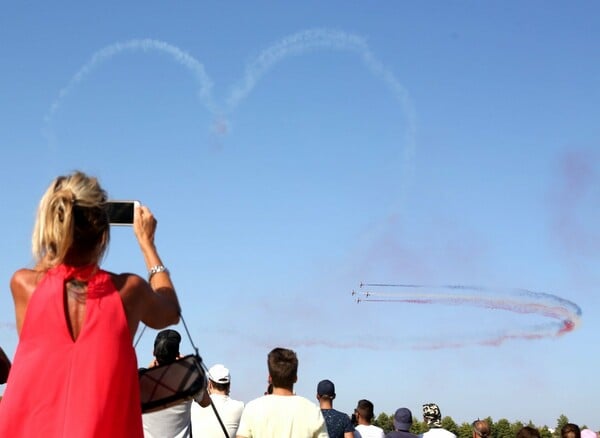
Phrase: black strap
[219,418]
[140,336]
[188,333]
[203,368]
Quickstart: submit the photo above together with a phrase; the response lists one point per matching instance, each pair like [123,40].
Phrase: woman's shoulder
[128,284]
[26,278]
[125,278]
[23,284]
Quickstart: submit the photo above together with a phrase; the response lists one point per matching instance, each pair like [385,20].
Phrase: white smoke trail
[295,44]
[327,39]
[144,45]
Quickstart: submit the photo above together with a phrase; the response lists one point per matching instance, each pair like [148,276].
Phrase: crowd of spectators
[280,412]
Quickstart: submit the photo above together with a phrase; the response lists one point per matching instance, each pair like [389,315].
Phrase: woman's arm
[22,286]
[154,302]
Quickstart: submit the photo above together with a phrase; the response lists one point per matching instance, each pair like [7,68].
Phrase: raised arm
[154,302]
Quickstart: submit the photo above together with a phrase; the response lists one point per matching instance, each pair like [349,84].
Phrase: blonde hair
[71,220]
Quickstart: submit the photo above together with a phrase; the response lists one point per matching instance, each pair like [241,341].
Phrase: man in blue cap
[338,423]
[402,423]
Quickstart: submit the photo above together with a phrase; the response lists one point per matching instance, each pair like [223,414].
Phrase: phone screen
[121,212]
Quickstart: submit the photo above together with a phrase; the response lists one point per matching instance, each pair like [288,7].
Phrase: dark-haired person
[173,421]
[364,416]
[282,414]
[204,421]
[570,430]
[4,367]
[528,432]
[74,373]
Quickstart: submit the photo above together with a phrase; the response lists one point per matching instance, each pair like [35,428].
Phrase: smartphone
[121,212]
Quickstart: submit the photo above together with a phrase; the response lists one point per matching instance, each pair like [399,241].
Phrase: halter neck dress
[62,387]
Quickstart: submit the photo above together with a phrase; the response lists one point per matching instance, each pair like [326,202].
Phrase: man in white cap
[204,420]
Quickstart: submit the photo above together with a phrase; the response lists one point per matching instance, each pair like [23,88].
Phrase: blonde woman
[75,371]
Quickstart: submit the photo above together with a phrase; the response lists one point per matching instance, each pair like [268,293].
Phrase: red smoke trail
[516,301]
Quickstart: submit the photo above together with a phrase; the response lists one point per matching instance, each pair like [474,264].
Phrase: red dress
[60,387]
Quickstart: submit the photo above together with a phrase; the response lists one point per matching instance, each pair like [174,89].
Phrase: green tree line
[502,428]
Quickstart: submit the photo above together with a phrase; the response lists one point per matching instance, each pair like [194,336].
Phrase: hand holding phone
[144,226]
[121,212]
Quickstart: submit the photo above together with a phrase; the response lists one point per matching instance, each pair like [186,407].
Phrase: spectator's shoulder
[255,402]
[237,402]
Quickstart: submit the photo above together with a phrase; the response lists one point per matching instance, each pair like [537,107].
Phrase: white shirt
[204,420]
[438,432]
[170,422]
[369,431]
[282,416]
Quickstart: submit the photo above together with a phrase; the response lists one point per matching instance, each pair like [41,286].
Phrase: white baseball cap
[219,374]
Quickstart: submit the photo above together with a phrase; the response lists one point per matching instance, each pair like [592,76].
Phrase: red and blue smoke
[564,315]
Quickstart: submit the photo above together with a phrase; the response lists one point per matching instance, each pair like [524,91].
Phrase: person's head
[403,419]
[432,415]
[364,412]
[71,224]
[4,367]
[166,346]
[528,432]
[570,430]
[326,390]
[219,379]
[481,429]
[283,368]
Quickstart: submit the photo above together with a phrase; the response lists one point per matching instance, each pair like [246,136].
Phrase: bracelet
[155,270]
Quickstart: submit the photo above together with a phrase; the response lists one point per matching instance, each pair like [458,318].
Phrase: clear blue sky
[291,151]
